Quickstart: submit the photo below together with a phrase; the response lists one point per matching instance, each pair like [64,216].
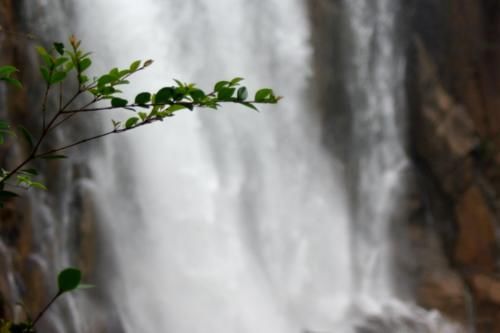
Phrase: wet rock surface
[450,251]
[453,91]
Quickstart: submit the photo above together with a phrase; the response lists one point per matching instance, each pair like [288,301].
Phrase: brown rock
[445,134]
[476,234]
[87,234]
[444,291]
[487,288]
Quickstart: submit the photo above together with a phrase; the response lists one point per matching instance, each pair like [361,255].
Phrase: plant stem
[92,138]
[45,131]
[44,105]
[130,106]
[45,309]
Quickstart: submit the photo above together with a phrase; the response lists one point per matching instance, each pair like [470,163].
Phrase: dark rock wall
[452,218]
[454,82]
[453,88]
[41,232]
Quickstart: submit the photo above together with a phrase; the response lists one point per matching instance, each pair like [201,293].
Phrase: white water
[375,83]
[235,221]
[242,227]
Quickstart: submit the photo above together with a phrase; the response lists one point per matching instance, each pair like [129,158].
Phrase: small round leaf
[68,279]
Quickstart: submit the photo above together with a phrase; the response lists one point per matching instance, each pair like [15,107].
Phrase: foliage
[67,280]
[60,62]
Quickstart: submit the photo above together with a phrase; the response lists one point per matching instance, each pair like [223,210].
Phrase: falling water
[375,82]
[240,225]
[375,61]
[236,221]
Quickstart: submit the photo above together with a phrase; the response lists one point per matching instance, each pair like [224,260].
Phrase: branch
[44,105]
[188,105]
[19,34]
[45,131]
[45,309]
[72,114]
[128,107]
[92,138]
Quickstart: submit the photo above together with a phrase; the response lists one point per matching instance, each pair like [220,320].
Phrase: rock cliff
[41,232]
[454,80]
[452,212]
[453,92]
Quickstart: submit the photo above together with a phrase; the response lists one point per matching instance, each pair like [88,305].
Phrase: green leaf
[105,79]
[68,279]
[69,66]
[30,171]
[6,195]
[57,77]
[118,102]
[83,79]
[54,157]
[135,65]
[179,83]
[115,72]
[22,327]
[7,70]
[107,90]
[59,48]
[45,56]
[12,81]
[197,95]
[23,179]
[179,93]
[249,105]
[38,185]
[235,81]
[84,64]
[121,82]
[45,73]
[175,107]
[142,98]
[60,61]
[221,84]
[225,94]
[142,115]
[131,122]
[242,94]
[123,72]
[27,136]
[164,95]
[85,286]
[263,95]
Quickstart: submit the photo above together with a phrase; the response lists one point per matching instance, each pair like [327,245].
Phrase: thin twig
[128,107]
[71,115]
[92,138]
[19,34]
[60,95]
[44,105]
[45,309]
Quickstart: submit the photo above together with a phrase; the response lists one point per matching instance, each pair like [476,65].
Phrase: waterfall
[375,62]
[236,221]
[239,223]
[375,80]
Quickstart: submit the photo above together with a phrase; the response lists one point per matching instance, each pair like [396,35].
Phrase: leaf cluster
[68,280]
[61,62]
[6,75]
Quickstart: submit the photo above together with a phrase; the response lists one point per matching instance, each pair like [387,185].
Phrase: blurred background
[366,201]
